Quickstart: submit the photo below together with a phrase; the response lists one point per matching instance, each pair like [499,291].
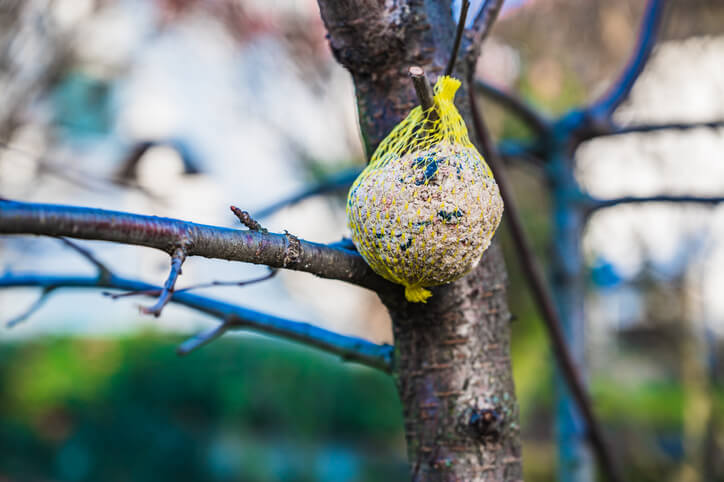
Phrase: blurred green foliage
[246,408]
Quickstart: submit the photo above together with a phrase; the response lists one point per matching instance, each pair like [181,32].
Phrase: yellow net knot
[446,87]
[417,294]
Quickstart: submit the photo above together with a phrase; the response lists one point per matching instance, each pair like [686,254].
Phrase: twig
[344,243]
[336,182]
[103,270]
[177,259]
[271,274]
[647,128]
[44,295]
[270,249]
[246,219]
[129,167]
[534,119]
[347,347]
[619,91]
[422,87]
[458,37]
[595,204]
[202,339]
[544,300]
[481,29]
[115,296]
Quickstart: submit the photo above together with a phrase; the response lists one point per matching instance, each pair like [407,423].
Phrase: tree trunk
[453,368]
[455,380]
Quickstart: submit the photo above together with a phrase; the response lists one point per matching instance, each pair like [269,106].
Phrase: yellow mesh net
[426,207]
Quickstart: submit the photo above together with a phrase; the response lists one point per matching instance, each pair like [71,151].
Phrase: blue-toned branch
[648,128]
[338,182]
[619,91]
[534,119]
[235,317]
[544,299]
[595,204]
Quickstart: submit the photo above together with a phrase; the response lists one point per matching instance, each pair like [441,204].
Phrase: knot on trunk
[485,424]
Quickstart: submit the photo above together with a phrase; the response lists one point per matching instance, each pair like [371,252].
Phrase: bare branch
[272,272]
[177,260]
[347,347]
[246,219]
[203,338]
[509,149]
[127,173]
[534,119]
[334,183]
[544,299]
[481,28]
[422,87]
[648,128]
[103,270]
[458,37]
[44,295]
[595,204]
[167,234]
[619,91]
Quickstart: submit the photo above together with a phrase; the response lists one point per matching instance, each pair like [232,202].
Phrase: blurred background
[182,107]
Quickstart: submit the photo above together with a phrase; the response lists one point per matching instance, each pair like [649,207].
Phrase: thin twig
[336,182]
[347,347]
[115,296]
[544,300]
[674,126]
[482,26]
[44,295]
[533,118]
[246,219]
[619,91]
[271,274]
[203,338]
[422,87]
[177,259]
[458,37]
[595,204]
[103,270]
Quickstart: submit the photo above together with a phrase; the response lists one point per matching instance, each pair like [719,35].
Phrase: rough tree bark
[453,369]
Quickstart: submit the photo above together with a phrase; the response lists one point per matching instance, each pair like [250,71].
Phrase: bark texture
[454,378]
[453,369]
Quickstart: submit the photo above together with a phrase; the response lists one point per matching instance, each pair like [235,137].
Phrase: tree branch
[517,106]
[544,299]
[44,295]
[595,204]
[103,270]
[177,259]
[458,37]
[481,28]
[648,128]
[334,183]
[619,91]
[203,338]
[274,250]
[347,347]
[422,87]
